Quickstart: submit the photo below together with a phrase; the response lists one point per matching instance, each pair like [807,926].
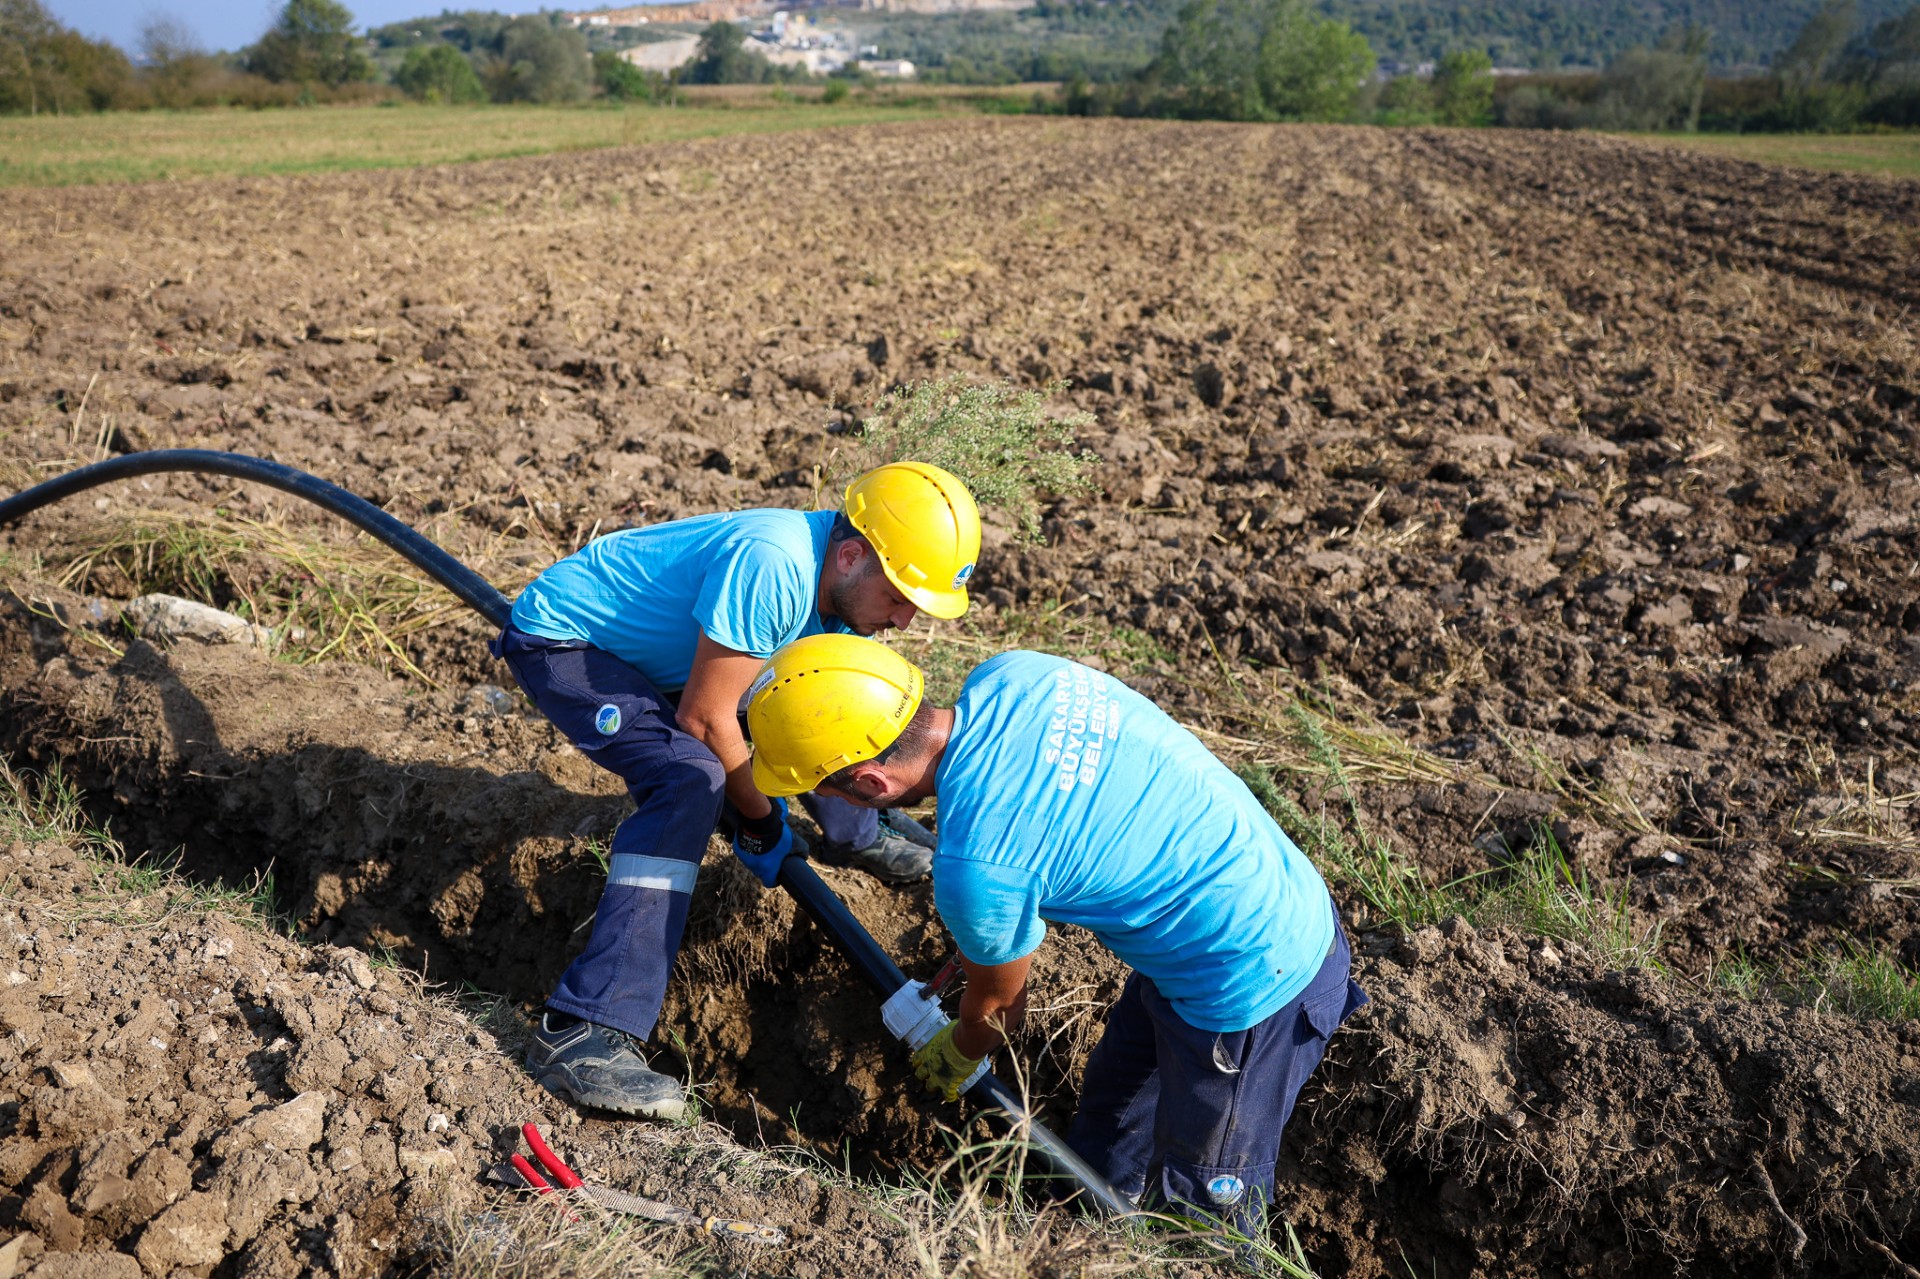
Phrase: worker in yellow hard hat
[1065,796]
[640,647]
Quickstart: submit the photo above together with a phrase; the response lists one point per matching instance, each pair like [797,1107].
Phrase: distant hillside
[1054,38]
[1554,33]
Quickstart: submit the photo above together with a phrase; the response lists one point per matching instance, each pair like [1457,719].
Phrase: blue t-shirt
[747,579]
[1067,796]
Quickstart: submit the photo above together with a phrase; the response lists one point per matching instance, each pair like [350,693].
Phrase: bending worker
[640,648]
[1066,796]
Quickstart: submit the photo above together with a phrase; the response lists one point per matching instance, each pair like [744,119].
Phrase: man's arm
[994,1001]
[710,711]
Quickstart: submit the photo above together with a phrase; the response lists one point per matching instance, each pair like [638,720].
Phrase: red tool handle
[531,1177]
[567,1178]
[942,979]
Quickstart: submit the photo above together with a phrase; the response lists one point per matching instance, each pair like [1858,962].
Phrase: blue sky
[228,24]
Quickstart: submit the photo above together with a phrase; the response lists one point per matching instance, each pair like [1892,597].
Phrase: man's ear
[869,777]
[848,554]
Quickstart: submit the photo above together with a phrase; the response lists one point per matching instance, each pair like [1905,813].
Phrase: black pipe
[795,876]
[473,590]
[874,964]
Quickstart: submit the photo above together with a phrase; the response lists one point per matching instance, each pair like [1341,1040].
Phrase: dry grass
[1861,815]
[346,596]
[975,1217]
[1610,805]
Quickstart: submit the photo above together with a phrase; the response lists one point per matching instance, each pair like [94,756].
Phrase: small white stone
[438,1123]
[72,1074]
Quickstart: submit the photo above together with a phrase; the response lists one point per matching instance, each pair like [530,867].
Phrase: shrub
[1310,68]
[997,438]
[620,79]
[1259,60]
[438,73]
[311,40]
[835,92]
[723,58]
[1463,88]
[538,62]
[1406,99]
[46,67]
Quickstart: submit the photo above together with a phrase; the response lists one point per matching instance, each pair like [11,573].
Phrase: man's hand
[942,1067]
[762,843]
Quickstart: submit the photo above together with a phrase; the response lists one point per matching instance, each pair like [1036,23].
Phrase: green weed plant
[1001,440]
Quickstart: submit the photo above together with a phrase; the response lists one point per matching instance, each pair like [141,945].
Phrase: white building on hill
[662,56]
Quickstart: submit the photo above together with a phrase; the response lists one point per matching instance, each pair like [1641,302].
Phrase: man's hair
[843,529]
[915,739]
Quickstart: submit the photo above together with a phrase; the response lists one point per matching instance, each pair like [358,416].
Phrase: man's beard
[844,596]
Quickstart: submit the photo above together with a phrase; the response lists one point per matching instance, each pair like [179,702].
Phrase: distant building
[889,68]
[663,56]
[814,59]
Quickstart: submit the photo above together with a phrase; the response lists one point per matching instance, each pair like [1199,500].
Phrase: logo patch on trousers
[607,720]
[1226,1189]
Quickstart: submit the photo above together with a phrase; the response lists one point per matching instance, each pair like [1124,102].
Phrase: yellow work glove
[943,1067]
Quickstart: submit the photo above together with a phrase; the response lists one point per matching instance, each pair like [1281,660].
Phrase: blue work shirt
[747,579]
[1067,796]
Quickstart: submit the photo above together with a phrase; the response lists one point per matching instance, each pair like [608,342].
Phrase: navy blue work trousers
[1189,1121]
[627,726]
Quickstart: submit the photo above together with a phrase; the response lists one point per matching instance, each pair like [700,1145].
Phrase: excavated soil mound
[184,1093]
[1586,468]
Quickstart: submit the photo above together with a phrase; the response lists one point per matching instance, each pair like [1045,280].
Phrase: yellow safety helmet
[824,702]
[922,522]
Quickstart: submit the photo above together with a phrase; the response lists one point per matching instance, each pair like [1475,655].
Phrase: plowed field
[1575,477]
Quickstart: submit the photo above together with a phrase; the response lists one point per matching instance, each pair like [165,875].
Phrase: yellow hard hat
[924,525]
[824,702]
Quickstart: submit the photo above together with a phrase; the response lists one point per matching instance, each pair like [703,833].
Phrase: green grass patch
[1392,889]
[1892,154]
[38,807]
[1533,889]
[46,807]
[1855,979]
[65,150]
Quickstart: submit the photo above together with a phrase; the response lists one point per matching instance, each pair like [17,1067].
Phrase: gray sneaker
[902,854]
[895,822]
[601,1067]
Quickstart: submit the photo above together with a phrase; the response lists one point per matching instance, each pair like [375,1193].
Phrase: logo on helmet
[960,578]
[607,720]
[1225,1190]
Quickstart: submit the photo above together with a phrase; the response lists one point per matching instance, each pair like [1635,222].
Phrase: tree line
[1286,60]
[311,54]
